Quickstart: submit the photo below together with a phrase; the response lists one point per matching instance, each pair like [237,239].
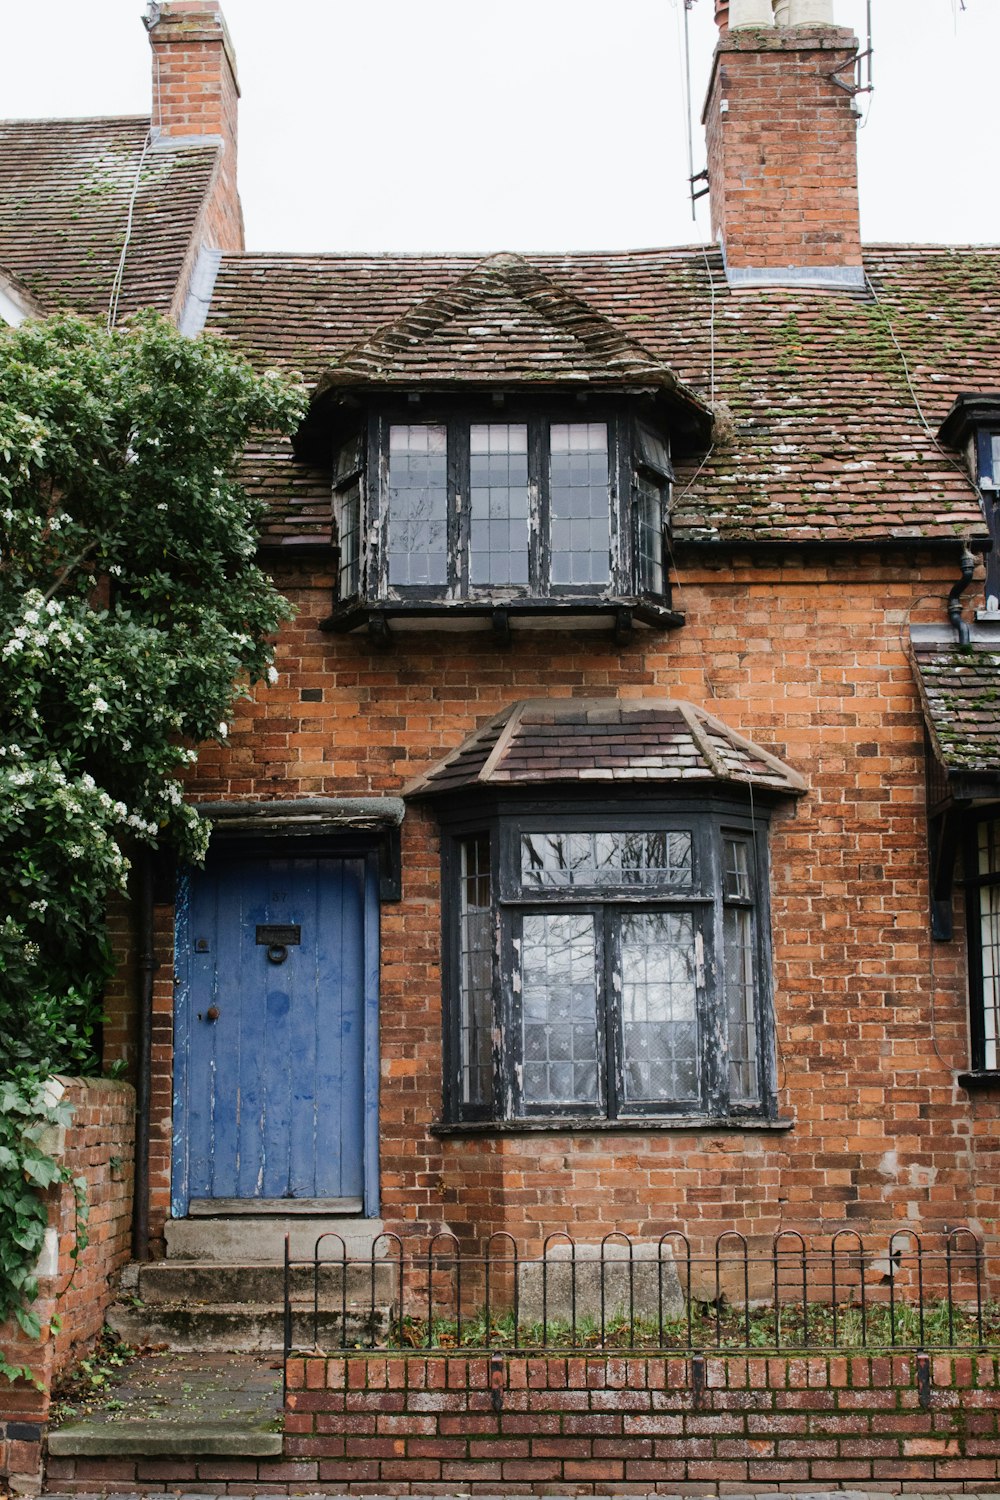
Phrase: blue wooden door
[269,1031]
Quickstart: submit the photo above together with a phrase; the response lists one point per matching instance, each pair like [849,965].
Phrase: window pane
[659,1007]
[736,881]
[738,971]
[580,502]
[559,1009]
[498,490]
[476,1017]
[650,504]
[738,939]
[653,451]
[989,929]
[606,859]
[347,514]
[418,505]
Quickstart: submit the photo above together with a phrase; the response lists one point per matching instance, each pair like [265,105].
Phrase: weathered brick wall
[97,1146]
[871,1017]
[589,1424]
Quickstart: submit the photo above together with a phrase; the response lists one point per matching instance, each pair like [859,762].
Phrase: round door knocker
[276,953]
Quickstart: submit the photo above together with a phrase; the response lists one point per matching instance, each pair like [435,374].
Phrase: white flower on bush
[223,730]
[272,675]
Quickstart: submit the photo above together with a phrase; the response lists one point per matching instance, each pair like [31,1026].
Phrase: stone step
[372,1283]
[236,1241]
[244,1326]
[157,1439]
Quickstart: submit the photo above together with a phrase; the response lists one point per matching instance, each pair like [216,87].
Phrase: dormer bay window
[501,455]
[973,427]
[502,514]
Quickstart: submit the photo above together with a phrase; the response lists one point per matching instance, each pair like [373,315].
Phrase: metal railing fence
[621,1294]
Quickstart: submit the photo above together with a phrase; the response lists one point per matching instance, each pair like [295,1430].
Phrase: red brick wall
[782,157]
[871,1017]
[98,1146]
[524,1425]
[586,1424]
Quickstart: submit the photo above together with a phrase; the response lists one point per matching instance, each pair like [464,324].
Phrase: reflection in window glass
[559,1009]
[659,1006]
[649,498]
[418,505]
[498,494]
[989,931]
[347,515]
[476,1020]
[594,859]
[738,959]
[580,503]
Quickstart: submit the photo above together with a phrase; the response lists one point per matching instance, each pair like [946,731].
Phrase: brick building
[618,849]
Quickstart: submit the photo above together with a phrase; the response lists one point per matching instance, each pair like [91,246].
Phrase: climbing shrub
[132,612]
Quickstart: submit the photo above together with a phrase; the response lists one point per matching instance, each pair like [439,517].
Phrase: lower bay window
[608,966]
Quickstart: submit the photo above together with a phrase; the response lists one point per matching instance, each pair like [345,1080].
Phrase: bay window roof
[505,325]
[589,741]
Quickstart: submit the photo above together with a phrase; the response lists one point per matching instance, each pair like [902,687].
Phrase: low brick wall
[98,1146]
[643,1424]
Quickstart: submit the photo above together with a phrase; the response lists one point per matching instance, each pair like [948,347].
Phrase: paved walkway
[801,1492]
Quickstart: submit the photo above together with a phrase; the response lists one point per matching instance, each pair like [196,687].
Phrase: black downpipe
[968,564]
[147,967]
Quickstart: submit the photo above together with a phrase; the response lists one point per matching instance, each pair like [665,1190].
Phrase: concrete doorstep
[180,1405]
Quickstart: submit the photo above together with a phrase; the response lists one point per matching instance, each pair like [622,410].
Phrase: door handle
[212,1014]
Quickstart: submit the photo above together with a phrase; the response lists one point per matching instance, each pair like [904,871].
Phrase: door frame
[232,847]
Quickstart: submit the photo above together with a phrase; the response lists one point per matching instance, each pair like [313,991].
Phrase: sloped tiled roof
[504,320]
[65,187]
[587,740]
[821,437]
[960,690]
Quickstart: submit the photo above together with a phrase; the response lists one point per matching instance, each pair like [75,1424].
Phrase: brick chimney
[196,97]
[782,145]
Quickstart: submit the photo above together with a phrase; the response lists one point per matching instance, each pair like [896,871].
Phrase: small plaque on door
[289,937]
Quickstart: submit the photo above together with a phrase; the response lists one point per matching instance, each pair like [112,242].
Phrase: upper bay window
[528,511]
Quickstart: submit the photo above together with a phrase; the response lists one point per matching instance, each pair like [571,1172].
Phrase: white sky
[518,124]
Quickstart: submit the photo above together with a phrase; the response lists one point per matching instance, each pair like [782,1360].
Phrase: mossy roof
[830,402]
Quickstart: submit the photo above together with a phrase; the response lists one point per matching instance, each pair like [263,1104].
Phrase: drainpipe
[968,564]
[147,966]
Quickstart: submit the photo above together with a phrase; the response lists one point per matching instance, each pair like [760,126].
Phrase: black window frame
[626,461]
[711,819]
[974,883]
[988,477]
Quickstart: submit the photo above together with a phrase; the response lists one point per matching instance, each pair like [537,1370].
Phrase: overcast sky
[519,124]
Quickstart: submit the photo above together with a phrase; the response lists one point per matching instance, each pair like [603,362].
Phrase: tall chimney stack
[782,145]
[196,97]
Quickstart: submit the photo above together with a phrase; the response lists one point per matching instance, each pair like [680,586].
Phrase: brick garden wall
[98,1146]
[641,1425]
[871,1016]
[598,1425]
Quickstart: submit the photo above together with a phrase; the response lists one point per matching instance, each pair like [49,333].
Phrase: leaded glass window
[498,495]
[988,930]
[610,967]
[580,516]
[418,505]
[476,1020]
[513,512]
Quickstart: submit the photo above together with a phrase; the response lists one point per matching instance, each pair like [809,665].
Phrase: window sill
[584,1125]
[502,615]
[983,1078]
